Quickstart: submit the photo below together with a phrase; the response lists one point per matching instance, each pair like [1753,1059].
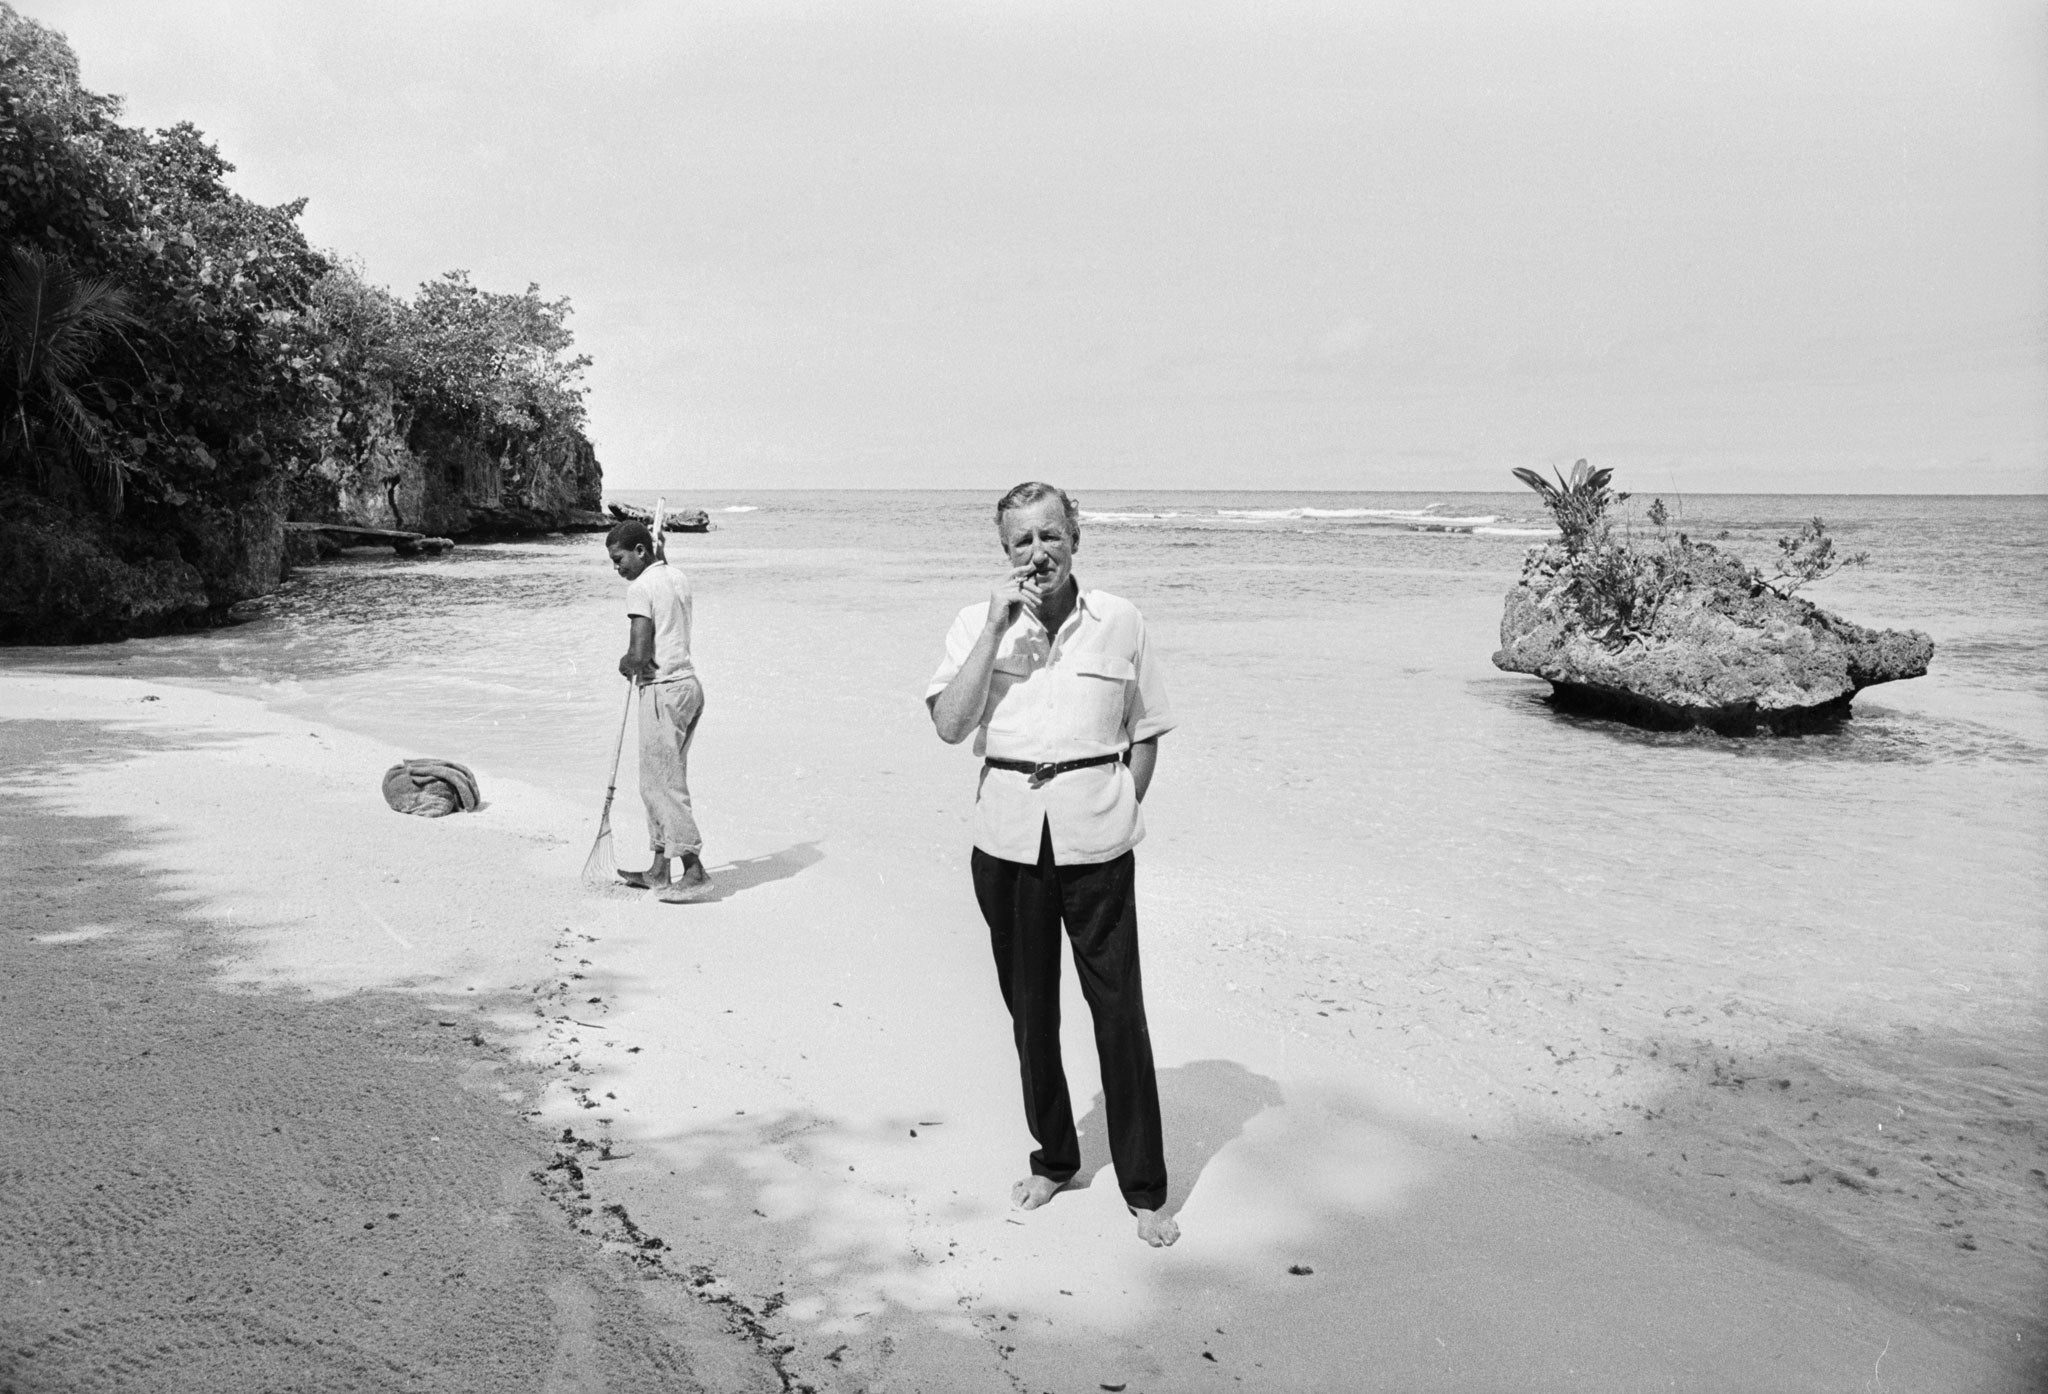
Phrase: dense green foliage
[1614,584]
[179,370]
[167,342]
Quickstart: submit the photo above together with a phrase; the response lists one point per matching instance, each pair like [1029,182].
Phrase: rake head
[597,867]
[601,867]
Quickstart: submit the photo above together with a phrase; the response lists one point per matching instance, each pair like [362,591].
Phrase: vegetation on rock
[1809,555]
[1615,585]
[182,369]
[1579,505]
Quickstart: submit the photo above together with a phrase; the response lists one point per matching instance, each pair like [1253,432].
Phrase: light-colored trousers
[668,722]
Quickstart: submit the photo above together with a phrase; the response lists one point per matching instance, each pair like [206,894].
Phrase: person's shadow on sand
[745,873]
[1203,1105]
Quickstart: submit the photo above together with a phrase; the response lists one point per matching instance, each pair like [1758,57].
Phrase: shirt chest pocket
[1009,713]
[1095,696]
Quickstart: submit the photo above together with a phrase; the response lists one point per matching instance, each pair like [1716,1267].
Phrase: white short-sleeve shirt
[1092,689]
[662,593]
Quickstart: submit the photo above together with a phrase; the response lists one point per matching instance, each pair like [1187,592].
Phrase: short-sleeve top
[662,593]
[1094,688]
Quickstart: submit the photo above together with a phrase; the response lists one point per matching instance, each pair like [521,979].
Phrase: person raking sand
[657,658]
[1058,684]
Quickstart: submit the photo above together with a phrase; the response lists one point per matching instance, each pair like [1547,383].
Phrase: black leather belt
[1040,773]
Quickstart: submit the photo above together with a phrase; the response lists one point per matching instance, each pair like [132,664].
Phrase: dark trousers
[1024,907]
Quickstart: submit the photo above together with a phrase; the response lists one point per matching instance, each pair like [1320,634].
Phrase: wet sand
[1920,1171]
[797,1103]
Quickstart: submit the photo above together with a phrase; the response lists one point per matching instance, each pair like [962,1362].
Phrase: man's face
[629,562]
[1037,535]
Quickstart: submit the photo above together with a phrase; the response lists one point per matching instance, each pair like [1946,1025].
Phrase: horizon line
[1183,489]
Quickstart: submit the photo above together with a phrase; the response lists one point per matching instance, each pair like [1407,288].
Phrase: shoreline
[825,1161]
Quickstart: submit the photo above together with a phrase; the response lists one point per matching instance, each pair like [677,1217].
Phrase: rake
[601,867]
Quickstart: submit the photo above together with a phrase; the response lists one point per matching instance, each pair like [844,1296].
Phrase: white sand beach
[1445,1154]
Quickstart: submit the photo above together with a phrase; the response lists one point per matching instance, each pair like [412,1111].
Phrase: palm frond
[53,324]
[1578,502]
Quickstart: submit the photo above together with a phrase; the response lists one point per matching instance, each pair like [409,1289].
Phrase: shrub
[1614,587]
[1809,556]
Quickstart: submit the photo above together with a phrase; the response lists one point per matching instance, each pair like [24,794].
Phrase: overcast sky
[1720,246]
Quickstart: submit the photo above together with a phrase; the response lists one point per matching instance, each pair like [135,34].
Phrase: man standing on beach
[659,610]
[1058,684]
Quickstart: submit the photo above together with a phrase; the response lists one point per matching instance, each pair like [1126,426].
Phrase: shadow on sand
[137,1256]
[744,874]
[1204,1106]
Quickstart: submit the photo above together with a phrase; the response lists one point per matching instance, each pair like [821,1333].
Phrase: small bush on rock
[1810,556]
[1614,586]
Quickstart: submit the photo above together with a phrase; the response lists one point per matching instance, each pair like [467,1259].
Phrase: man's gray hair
[1035,491]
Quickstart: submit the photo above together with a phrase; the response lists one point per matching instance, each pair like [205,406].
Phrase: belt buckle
[1043,772]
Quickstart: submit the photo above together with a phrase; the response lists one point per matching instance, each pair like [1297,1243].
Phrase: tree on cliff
[255,374]
[421,391]
[207,402]
[500,361]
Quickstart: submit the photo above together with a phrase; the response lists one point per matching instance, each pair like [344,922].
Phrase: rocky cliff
[69,574]
[74,576]
[451,480]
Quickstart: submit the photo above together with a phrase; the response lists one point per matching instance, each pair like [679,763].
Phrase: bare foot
[652,879]
[1034,1191]
[683,890]
[1156,1227]
[689,882]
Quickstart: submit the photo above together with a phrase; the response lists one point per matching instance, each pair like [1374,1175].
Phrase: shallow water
[514,630]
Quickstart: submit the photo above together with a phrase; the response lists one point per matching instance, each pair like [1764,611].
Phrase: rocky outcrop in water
[1688,636]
